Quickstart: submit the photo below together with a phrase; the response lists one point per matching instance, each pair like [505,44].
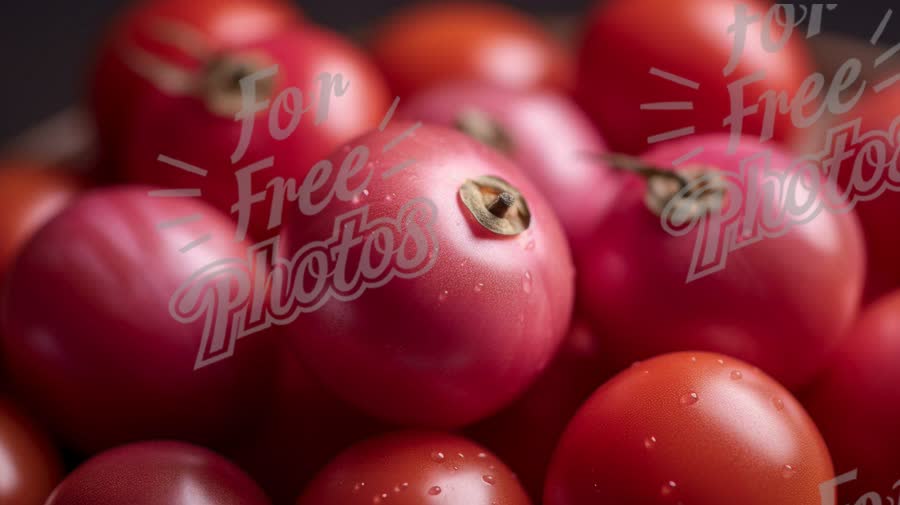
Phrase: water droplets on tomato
[690,398]
[650,442]
[434,491]
[527,281]
[489,479]
[438,457]
[736,375]
[788,471]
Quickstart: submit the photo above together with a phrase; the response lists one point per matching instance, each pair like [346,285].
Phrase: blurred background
[46,44]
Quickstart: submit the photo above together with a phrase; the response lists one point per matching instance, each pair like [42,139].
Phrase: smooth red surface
[88,337]
[697,428]
[463,340]
[624,39]
[412,468]
[551,140]
[525,434]
[29,196]
[856,402]
[155,473]
[207,140]
[432,43]
[30,466]
[212,25]
[781,303]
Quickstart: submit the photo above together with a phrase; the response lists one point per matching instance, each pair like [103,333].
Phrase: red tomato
[517,122]
[207,135]
[526,433]
[624,39]
[856,403]
[411,468]
[29,196]
[782,303]
[478,305]
[694,428]
[433,43]
[89,337]
[172,32]
[29,465]
[153,473]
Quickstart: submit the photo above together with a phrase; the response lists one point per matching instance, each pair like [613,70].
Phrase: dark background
[45,45]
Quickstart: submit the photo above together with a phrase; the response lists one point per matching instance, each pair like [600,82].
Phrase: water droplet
[434,491]
[529,246]
[690,398]
[404,486]
[527,281]
[365,192]
[488,479]
[455,467]
[437,456]
[779,405]
[650,442]
[693,359]
[389,197]
[668,488]
[597,488]
[482,455]
[788,471]
[460,455]
[358,486]
[736,375]
[721,362]
[443,296]
[479,287]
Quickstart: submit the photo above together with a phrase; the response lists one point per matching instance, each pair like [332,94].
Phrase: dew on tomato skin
[650,442]
[529,246]
[479,287]
[434,491]
[788,471]
[527,281]
[736,375]
[482,455]
[721,362]
[460,455]
[668,488]
[690,398]
[358,486]
[489,479]
[443,296]
[779,405]
[437,456]
[693,359]
[597,488]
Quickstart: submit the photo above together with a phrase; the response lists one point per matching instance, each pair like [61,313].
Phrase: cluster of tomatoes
[536,342]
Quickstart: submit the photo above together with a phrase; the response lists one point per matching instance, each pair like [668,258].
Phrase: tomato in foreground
[30,466]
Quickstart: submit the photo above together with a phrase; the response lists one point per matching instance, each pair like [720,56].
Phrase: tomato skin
[632,280]
[411,468]
[432,43]
[410,352]
[680,31]
[152,473]
[855,402]
[115,88]
[208,140]
[88,337]
[698,428]
[578,188]
[30,465]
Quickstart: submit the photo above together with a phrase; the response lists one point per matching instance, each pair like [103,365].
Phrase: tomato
[624,39]
[172,32]
[206,134]
[694,428]
[432,43]
[466,306]
[517,122]
[411,468]
[88,336]
[781,303]
[855,402]
[303,428]
[151,473]
[30,195]
[526,433]
[29,464]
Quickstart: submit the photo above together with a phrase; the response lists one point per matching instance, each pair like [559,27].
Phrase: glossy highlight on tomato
[30,466]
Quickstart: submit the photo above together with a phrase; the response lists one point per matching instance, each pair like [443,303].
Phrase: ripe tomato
[206,134]
[152,473]
[30,467]
[171,32]
[856,403]
[769,303]
[526,433]
[411,468]
[29,196]
[624,39]
[89,337]
[694,428]
[517,122]
[412,350]
[432,43]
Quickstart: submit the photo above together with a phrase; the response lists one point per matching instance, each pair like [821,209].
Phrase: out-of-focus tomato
[695,428]
[625,39]
[168,32]
[432,43]
[472,288]
[750,280]
[412,468]
[88,335]
[856,403]
[30,467]
[319,74]
[156,473]
[30,195]
[543,132]
[526,433]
